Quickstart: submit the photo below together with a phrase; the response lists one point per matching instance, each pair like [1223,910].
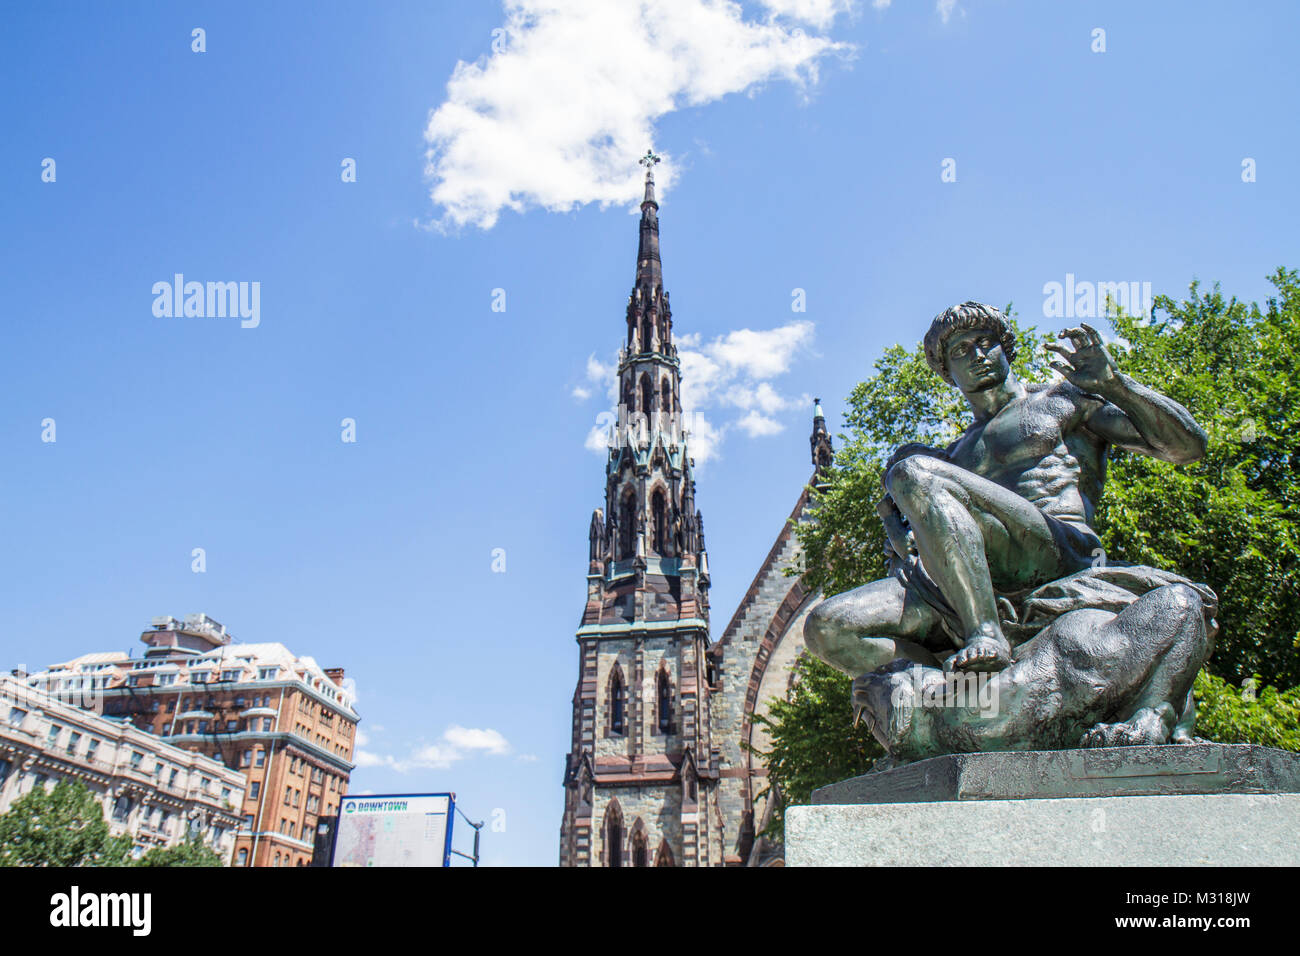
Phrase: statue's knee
[817,630]
[909,479]
[1183,601]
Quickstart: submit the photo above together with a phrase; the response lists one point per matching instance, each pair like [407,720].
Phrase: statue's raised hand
[1089,366]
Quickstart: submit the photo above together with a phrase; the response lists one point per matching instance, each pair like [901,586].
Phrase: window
[266,724]
[255,788]
[122,809]
[242,858]
[171,781]
[267,673]
[136,759]
[259,758]
[627,518]
[613,837]
[198,677]
[617,703]
[659,522]
[73,739]
[171,705]
[53,735]
[166,680]
[665,703]
[225,793]
[16,716]
[248,821]
[92,748]
[203,726]
[230,675]
[232,726]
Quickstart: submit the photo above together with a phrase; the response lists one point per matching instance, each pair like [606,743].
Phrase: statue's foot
[1147,727]
[982,653]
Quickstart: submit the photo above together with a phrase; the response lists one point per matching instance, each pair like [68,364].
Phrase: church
[660,770]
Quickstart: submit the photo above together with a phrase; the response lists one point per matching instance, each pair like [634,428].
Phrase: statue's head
[971,346]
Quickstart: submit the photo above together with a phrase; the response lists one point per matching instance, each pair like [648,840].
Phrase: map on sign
[395,830]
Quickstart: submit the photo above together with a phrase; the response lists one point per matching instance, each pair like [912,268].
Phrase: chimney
[335,674]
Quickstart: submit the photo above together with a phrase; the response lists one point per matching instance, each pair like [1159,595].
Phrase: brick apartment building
[284,722]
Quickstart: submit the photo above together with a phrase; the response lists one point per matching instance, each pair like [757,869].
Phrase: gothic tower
[641,777]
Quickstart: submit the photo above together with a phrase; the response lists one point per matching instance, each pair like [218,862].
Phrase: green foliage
[1247,715]
[814,741]
[64,826]
[1229,520]
[193,852]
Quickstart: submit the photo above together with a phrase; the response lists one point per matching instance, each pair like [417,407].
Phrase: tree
[813,740]
[1229,520]
[193,852]
[64,826]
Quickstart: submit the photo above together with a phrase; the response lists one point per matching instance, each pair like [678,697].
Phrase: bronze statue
[995,567]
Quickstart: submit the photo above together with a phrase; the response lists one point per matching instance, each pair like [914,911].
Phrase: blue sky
[806,160]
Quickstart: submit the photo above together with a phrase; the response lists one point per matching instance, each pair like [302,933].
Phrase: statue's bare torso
[1038,447]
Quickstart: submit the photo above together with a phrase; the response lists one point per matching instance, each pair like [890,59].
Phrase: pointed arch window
[640,849]
[659,517]
[665,855]
[613,830]
[647,396]
[666,398]
[664,693]
[645,334]
[627,527]
[617,703]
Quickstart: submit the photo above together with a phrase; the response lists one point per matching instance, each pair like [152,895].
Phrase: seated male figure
[1006,507]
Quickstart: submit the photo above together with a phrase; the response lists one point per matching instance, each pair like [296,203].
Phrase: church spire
[823,453]
[649,268]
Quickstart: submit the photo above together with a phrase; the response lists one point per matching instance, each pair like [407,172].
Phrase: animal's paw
[1147,727]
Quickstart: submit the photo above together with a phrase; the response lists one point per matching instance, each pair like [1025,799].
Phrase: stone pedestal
[1204,804]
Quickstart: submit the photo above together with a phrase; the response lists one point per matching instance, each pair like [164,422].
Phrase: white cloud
[365,758]
[470,738]
[580,393]
[361,737]
[945,9]
[456,744]
[554,117]
[755,424]
[819,13]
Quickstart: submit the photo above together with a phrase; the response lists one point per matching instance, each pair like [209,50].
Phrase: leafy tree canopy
[64,826]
